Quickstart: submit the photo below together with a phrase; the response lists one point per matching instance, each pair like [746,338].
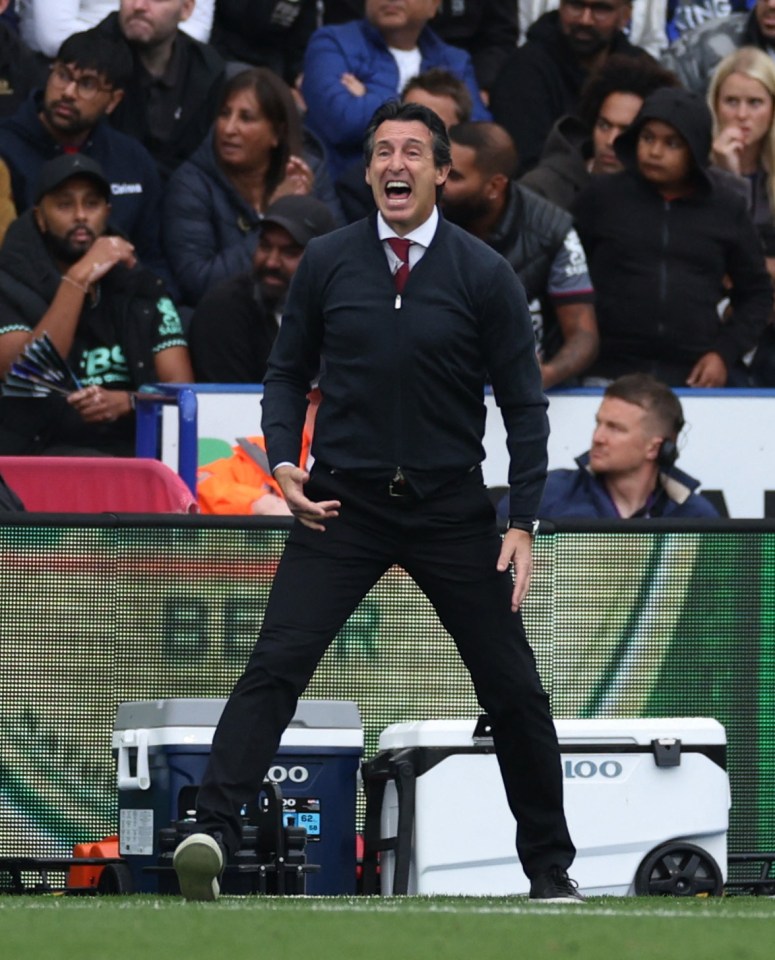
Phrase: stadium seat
[96,485]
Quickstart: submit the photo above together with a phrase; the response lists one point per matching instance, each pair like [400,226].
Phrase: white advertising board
[728,442]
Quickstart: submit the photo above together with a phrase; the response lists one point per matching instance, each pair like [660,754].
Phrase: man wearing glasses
[542,79]
[84,86]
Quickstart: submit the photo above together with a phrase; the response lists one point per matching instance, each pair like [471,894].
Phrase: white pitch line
[343,905]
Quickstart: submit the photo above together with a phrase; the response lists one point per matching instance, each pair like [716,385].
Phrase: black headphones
[667,455]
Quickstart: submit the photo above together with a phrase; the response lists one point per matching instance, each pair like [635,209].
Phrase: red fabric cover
[96,485]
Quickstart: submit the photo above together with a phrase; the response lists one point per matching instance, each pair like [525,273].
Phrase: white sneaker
[198,862]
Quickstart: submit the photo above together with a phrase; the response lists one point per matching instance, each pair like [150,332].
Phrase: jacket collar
[677,485]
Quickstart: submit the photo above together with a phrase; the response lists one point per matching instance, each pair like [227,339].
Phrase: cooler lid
[206,712]
[460,733]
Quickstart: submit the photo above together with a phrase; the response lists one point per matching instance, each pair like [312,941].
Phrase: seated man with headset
[630,470]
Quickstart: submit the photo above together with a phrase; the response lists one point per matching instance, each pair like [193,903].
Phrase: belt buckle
[398,487]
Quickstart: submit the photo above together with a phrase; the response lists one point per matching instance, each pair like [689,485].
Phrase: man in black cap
[64,274]
[235,324]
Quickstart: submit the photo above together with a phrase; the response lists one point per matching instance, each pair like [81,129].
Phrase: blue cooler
[162,747]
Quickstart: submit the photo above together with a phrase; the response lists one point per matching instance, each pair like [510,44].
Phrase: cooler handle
[133,740]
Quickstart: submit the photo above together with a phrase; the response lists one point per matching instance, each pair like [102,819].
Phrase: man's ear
[187,9]
[652,450]
[39,219]
[115,99]
[442,173]
[496,186]
[624,16]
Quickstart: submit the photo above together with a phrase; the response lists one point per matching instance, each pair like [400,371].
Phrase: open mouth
[397,190]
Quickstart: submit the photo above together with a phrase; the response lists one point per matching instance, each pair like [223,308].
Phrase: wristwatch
[526,525]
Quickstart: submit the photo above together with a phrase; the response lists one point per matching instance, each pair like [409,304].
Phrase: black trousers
[449,545]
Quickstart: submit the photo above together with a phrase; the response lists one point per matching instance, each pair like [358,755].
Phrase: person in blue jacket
[630,470]
[350,69]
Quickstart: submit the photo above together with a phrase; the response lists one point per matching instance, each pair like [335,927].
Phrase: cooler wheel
[679,870]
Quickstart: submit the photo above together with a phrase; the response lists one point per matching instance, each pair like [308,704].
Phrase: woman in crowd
[255,153]
[742,99]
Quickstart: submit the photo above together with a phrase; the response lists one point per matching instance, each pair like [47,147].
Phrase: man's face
[72,217]
[590,25]
[465,199]
[765,17]
[387,15]
[403,175]
[151,22]
[275,261]
[623,439]
[75,100]
[616,114]
[664,158]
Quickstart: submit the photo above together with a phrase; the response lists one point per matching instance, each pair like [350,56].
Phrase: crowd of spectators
[619,154]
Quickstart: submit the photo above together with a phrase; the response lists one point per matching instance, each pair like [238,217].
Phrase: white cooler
[647,803]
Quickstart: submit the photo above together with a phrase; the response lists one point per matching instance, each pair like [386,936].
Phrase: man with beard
[541,81]
[234,325]
[84,87]
[536,237]
[173,93]
[63,273]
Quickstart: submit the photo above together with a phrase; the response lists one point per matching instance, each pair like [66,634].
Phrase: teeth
[397,185]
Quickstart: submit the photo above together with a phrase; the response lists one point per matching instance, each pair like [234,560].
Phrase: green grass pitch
[144,927]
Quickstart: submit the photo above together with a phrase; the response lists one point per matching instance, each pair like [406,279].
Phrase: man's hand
[100,259]
[709,371]
[311,514]
[270,505]
[353,85]
[517,549]
[96,405]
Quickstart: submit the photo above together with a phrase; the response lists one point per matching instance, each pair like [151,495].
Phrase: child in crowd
[667,239]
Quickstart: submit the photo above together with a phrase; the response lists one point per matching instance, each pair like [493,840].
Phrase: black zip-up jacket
[658,265]
[403,378]
[199,90]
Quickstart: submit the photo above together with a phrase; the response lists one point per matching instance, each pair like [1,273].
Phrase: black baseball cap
[55,172]
[303,217]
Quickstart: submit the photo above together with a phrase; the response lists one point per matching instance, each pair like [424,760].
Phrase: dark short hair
[443,83]
[653,396]
[92,50]
[619,73]
[406,112]
[277,105]
[494,149]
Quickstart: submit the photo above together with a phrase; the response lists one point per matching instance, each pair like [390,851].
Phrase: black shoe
[198,862]
[555,886]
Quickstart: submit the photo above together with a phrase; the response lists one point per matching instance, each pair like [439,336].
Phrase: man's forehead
[616,408]
[403,130]
[76,68]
